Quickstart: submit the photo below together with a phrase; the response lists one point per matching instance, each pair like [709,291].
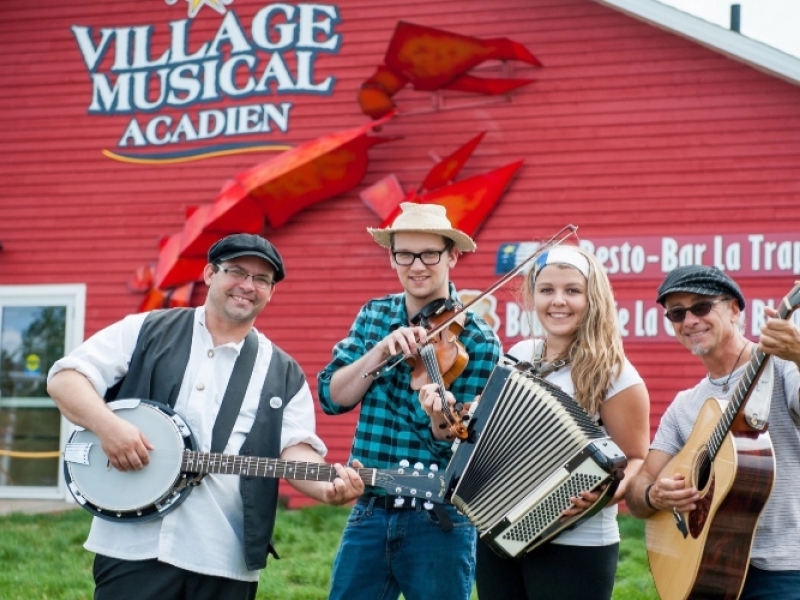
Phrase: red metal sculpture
[432,59]
[429,59]
[275,190]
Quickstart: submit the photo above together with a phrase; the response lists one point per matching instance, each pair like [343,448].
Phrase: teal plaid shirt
[392,425]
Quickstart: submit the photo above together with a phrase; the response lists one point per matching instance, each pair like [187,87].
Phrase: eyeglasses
[698,309]
[262,282]
[428,258]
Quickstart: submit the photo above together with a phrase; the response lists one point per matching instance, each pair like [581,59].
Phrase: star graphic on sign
[196,5]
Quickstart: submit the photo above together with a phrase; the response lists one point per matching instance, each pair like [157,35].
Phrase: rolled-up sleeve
[104,358]
[345,352]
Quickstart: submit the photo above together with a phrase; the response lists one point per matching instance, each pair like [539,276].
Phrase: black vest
[156,372]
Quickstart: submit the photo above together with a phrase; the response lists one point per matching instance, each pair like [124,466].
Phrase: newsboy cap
[246,244]
[698,279]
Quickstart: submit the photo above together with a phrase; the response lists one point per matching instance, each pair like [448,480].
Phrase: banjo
[176,467]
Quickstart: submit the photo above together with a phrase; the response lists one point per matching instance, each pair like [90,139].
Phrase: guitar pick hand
[672,494]
[126,448]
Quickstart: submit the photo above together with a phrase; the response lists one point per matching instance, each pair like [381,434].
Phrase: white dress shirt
[204,534]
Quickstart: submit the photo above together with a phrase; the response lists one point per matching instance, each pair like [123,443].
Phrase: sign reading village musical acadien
[272,54]
[743,256]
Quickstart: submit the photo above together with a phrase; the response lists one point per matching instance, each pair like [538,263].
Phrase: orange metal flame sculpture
[468,202]
[276,190]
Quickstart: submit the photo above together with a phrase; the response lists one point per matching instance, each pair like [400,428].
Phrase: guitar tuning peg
[428,506]
[419,466]
[398,502]
[404,463]
[434,467]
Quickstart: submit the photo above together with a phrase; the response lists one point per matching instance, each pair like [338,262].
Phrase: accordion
[530,448]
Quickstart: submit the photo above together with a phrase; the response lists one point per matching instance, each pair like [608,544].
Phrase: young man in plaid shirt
[389,548]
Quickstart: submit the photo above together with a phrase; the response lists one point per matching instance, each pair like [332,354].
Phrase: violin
[443,358]
[443,347]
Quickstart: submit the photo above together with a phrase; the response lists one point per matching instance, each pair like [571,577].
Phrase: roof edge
[730,43]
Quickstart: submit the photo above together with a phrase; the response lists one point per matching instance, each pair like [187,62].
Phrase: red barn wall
[627,131]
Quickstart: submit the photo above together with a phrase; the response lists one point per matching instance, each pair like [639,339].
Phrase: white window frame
[73,296]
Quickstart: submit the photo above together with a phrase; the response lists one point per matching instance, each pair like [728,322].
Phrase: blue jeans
[768,585]
[386,552]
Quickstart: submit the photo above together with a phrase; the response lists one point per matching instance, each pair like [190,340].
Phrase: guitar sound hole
[703,471]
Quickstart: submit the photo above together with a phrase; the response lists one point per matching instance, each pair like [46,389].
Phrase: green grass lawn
[42,557]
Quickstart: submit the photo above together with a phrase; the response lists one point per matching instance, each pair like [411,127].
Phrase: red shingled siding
[628,130]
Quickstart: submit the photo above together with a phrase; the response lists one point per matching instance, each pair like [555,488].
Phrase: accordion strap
[541,368]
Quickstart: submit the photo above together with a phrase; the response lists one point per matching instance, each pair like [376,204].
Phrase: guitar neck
[742,392]
[234,464]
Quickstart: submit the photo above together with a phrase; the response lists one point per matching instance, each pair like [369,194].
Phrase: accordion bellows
[531,449]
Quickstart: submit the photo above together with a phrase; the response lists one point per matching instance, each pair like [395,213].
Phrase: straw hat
[423,218]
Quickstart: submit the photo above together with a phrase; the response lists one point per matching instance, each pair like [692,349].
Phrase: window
[38,325]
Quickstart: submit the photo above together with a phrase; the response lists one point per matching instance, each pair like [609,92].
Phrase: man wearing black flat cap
[706,309]
[216,542]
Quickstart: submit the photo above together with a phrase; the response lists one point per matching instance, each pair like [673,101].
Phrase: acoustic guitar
[705,553]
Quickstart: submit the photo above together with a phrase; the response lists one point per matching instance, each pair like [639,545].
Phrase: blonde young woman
[581,352]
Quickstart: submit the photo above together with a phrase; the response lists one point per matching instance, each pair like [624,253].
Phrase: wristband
[647,496]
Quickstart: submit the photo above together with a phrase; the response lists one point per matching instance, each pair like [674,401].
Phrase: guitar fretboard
[234,464]
[757,363]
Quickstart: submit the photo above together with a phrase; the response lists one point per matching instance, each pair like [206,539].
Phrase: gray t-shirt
[777,541]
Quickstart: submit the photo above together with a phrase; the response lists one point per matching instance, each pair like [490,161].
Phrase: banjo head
[139,495]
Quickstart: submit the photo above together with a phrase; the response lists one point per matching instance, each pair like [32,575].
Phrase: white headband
[562,255]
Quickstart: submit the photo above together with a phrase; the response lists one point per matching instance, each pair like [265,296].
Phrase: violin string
[426,352]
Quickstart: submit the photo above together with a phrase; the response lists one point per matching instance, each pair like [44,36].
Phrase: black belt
[388,502]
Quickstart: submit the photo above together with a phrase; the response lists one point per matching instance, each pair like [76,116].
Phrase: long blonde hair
[596,355]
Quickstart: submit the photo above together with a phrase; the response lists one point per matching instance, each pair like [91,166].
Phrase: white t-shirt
[205,534]
[601,529]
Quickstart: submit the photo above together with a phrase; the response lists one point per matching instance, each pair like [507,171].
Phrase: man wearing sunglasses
[706,309]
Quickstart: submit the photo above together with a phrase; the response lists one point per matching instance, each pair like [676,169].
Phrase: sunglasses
[698,309]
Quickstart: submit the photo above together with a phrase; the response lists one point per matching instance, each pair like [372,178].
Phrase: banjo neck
[234,464]
[164,484]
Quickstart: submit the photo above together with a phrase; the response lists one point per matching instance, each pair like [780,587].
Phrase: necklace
[725,387]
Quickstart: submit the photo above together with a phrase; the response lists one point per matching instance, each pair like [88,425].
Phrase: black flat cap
[697,279]
[246,244]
